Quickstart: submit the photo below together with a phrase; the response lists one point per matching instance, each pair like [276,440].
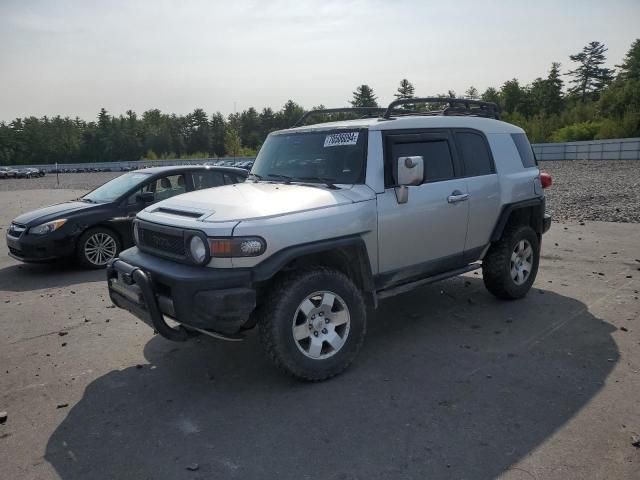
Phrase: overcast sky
[72,57]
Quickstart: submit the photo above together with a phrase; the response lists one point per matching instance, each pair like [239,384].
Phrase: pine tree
[630,67]
[405,90]
[553,99]
[590,77]
[364,97]
[472,93]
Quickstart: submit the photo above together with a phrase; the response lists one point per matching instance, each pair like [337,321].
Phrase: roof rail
[457,106]
[366,111]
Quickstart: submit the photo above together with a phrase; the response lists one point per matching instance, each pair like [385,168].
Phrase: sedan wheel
[97,247]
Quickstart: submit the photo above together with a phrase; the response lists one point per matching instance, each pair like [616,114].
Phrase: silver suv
[333,218]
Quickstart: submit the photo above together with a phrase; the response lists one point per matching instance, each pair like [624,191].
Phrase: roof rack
[366,111]
[456,106]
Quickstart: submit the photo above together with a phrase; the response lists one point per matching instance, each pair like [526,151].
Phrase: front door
[426,235]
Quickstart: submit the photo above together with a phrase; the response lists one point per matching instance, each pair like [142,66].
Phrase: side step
[406,287]
[220,336]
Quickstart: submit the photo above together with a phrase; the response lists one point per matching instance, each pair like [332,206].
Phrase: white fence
[617,149]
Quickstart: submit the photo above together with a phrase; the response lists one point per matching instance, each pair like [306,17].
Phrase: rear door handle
[457,196]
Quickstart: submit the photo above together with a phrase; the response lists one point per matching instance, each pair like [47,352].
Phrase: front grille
[171,244]
[15,230]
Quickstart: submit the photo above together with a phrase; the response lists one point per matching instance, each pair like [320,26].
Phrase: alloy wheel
[321,325]
[521,262]
[100,248]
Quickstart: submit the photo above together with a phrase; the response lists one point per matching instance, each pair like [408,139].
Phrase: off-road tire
[81,256]
[276,316]
[496,265]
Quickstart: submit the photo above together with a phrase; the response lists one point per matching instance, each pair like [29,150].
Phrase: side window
[206,179]
[162,188]
[229,179]
[167,187]
[438,163]
[524,149]
[475,155]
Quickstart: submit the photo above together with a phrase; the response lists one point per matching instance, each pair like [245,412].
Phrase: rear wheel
[511,264]
[97,247]
[312,324]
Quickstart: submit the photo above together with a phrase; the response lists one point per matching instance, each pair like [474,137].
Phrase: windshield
[337,156]
[117,187]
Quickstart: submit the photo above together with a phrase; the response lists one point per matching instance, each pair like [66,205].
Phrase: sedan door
[426,235]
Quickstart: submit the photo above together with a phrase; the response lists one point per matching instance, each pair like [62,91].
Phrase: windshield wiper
[255,176]
[286,178]
[327,181]
[88,200]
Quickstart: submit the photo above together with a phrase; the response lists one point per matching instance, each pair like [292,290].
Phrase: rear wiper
[286,178]
[327,181]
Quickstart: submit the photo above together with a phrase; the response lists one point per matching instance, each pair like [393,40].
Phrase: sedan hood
[249,200]
[52,212]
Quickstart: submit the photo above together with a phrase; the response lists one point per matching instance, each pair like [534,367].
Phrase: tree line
[594,102]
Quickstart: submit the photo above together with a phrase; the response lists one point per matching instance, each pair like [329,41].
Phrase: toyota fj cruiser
[334,217]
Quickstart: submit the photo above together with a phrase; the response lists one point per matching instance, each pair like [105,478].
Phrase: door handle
[457,196]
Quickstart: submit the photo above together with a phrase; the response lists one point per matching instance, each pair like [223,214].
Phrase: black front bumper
[40,248]
[216,300]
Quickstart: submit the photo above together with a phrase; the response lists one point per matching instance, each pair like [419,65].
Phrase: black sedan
[95,227]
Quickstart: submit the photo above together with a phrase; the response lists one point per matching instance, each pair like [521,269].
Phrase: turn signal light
[237,247]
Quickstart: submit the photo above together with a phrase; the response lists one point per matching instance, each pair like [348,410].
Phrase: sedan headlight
[237,247]
[47,227]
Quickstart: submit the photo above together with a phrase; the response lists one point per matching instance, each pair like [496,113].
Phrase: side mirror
[410,171]
[145,197]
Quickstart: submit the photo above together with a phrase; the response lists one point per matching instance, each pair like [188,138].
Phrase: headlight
[198,250]
[237,247]
[47,227]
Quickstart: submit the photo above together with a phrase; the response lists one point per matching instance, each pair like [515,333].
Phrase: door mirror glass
[410,170]
[145,197]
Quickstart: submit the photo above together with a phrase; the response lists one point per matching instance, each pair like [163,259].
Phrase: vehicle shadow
[450,383]
[28,277]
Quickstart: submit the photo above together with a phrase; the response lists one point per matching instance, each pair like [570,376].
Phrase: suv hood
[52,212]
[249,200]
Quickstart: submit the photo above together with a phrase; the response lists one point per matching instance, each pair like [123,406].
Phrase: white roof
[486,125]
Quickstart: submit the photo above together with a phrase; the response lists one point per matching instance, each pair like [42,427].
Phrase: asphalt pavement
[451,383]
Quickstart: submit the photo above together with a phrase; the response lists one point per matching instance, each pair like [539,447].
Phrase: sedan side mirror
[145,197]
[410,172]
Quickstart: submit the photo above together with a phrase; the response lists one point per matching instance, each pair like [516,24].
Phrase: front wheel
[97,247]
[312,324]
[511,264]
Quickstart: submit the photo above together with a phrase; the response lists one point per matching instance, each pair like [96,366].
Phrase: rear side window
[206,179]
[524,149]
[438,164]
[475,154]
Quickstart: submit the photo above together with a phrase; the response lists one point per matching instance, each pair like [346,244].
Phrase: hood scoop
[181,213]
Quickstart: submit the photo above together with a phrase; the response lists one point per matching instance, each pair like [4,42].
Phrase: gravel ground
[582,190]
[594,190]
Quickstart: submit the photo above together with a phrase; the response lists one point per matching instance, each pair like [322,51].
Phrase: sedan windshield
[336,156]
[117,187]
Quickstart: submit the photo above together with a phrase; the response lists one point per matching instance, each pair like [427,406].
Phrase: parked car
[95,227]
[334,217]
[7,172]
[36,172]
